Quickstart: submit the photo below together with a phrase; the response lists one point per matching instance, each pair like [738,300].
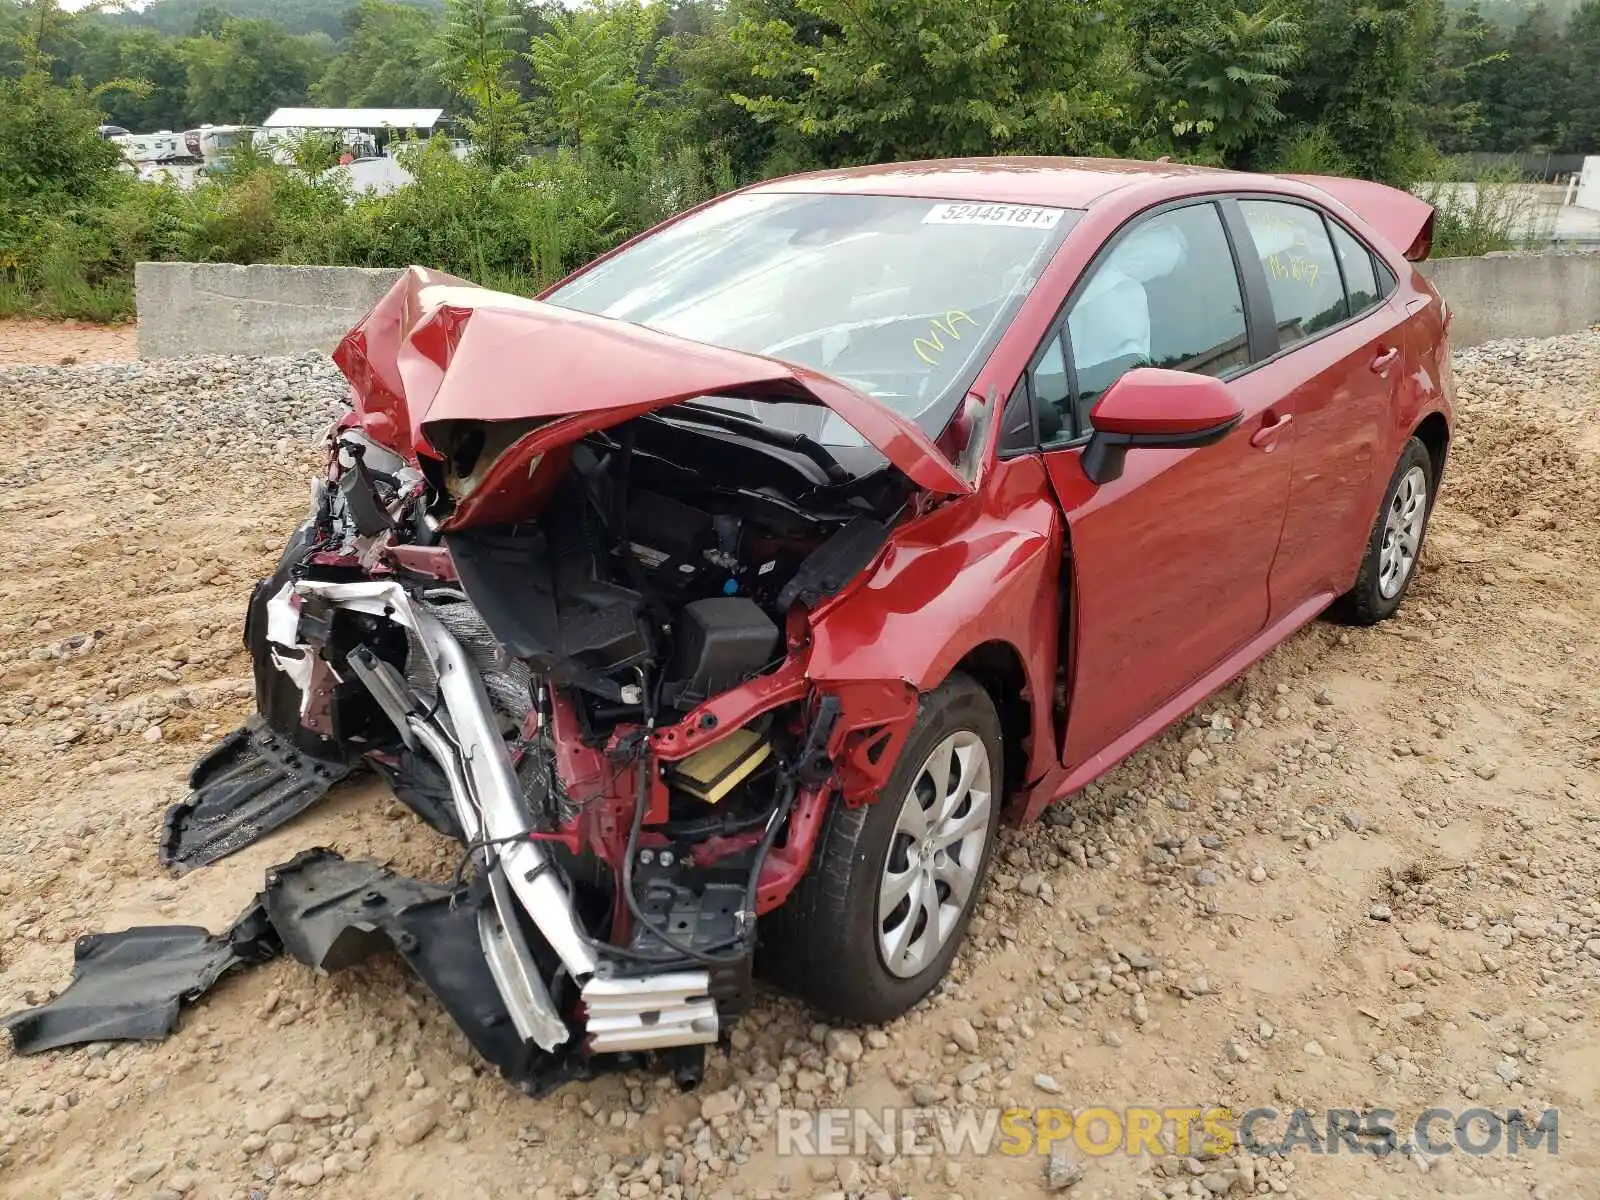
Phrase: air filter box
[722,641]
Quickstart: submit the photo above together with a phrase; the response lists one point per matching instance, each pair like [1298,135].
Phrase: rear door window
[1302,274]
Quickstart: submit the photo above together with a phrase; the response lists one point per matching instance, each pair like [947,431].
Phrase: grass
[62,289]
[15,299]
[1497,213]
[67,291]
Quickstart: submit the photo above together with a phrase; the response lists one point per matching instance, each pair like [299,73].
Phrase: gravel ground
[1365,875]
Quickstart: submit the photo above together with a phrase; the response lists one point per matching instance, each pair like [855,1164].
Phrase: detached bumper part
[329,914]
[250,783]
[652,1012]
[129,986]
[672,1007]
[494,953]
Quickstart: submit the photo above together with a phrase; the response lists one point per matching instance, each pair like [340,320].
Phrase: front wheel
[874,924]
[1395,545]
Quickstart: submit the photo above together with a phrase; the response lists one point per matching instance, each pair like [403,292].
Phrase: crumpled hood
[437,349]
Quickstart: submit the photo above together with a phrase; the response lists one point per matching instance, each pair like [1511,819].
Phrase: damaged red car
[723,601]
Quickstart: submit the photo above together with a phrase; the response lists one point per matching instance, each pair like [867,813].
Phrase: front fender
[971,572]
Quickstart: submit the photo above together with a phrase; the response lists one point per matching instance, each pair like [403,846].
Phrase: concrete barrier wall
[215,308]
[189,309]
[1518,295]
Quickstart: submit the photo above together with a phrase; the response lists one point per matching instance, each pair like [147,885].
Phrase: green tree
[178,18]
[1364,80]
[386,60]
[57,176]
[249,69]
[703,67]
[102,50]
[474,63]
[50,146]
[586,67]
[1212,73]
[39,35]
[209,21]
[313,151]
[1526,90]
[927,78]
[1468,53]
[35,32]
[1581,133]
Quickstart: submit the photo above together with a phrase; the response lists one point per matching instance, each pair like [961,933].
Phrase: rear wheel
[1395,545]
[879,916]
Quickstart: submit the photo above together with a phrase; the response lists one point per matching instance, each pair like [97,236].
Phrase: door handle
[1380,364]
[1268,434]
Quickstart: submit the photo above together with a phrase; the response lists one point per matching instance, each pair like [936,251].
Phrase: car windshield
[900,297]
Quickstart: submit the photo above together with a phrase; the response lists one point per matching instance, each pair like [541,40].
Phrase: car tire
[1394,547]
[828,943]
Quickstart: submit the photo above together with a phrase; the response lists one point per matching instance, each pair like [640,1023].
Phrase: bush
[1494,211]
[50,146]
[58,182]
[522,228]
[1310,151]
[269,213]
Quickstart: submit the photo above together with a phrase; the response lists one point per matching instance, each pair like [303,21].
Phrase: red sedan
[762,565]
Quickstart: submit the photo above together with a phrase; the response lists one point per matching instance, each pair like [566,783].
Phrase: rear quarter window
[1360,273]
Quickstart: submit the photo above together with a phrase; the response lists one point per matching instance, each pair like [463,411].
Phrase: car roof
[1061,182]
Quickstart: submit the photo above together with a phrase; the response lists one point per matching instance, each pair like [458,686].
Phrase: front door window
[1166,295]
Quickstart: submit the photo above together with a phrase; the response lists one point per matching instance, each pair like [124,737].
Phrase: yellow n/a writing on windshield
[929,348]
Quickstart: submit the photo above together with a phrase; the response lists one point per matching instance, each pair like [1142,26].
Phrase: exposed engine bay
[581,649]
[646,561]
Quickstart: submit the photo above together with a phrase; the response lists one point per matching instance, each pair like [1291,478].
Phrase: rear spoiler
[1404,221]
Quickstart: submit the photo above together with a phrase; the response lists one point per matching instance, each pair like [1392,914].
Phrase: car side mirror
[1150,407]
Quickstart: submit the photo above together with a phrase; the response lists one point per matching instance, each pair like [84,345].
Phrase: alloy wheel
[1402,532]
[935,853]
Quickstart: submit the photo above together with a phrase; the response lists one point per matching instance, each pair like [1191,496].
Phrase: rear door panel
[1342,390]
[1338,373]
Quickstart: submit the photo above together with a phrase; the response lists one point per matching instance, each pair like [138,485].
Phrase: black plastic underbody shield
[439,941]
[419,784]
[250,783]
[128,986]
[329,914]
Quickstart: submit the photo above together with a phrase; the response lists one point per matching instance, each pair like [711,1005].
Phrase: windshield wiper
[758,431]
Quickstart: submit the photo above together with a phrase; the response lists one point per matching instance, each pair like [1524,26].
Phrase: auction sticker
[1027,216]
